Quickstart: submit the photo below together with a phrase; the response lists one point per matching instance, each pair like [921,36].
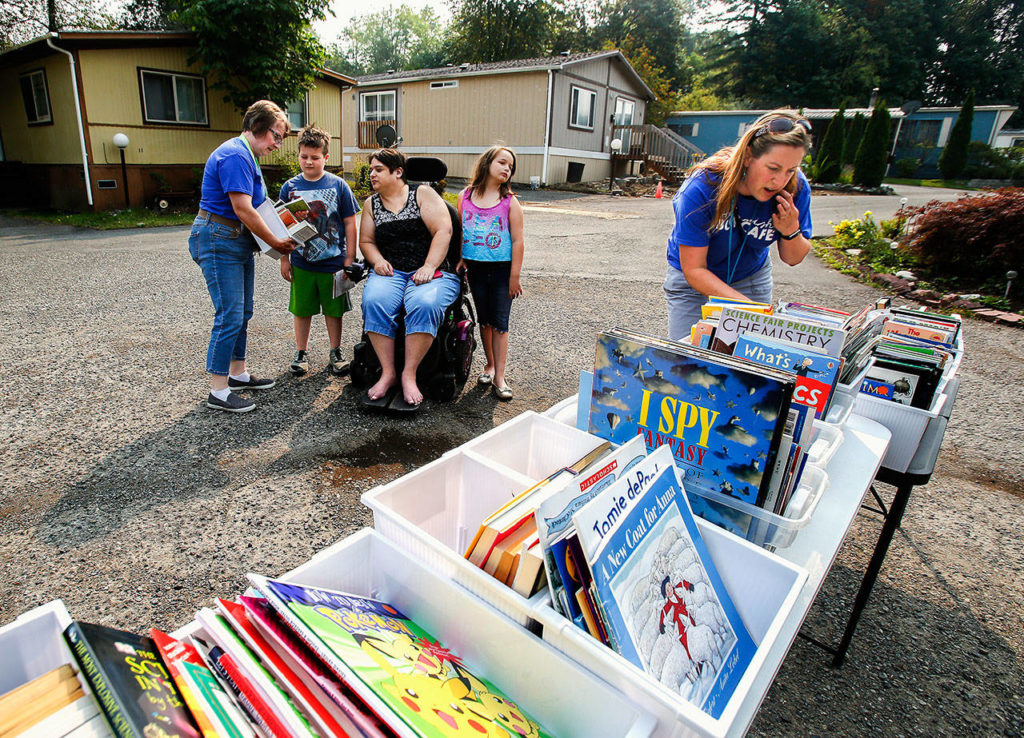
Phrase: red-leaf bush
[973,240]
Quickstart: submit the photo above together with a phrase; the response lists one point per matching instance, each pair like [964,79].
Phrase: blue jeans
[383,298]
[226,258]
[684,302]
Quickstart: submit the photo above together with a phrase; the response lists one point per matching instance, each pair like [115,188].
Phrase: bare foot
[380,389]
[411,391]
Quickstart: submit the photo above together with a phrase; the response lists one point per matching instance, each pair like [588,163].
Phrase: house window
[168,97]
[444,85]
[296,111]
[581,108]
[919,133]
[624,109]
[375,106]
[685,129]
[36,97]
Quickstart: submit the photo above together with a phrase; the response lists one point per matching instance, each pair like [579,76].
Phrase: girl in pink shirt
[492,253]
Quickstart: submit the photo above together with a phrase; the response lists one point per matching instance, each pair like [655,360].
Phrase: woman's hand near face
[786,218]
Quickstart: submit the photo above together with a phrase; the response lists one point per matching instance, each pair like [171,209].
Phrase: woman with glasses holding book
[222,244]
[732,207]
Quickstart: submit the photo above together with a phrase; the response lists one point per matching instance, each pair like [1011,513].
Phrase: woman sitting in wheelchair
[404,236]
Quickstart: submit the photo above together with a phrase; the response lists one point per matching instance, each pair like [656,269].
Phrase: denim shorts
[488,281]
[225,255]
[684,302]
[384,297]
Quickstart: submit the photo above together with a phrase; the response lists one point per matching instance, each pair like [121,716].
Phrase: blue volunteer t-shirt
[733,253]
[230,168]
[330,201]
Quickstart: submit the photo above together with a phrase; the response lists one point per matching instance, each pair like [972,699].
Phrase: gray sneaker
[338,364]
[234,403]
[251,384]
[300,364]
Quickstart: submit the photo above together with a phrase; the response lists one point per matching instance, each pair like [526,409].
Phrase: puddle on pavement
[385,457]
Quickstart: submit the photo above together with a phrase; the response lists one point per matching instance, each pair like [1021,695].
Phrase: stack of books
[285,661]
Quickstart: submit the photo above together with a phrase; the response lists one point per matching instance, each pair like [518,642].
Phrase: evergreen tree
[873,153]
[954,157]
[853,138]
[830,155]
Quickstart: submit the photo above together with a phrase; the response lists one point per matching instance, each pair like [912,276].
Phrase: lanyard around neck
[730,268]
[257,163]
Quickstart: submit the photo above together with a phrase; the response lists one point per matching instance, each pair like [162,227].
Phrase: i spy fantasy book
[394,664]
[719,416]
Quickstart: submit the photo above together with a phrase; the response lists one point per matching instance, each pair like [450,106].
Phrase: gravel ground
[125,497]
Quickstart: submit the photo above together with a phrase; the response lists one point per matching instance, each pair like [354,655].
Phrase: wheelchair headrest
[425,169]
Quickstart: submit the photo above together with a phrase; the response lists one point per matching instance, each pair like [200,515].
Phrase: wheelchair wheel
[443,388]
[365,367]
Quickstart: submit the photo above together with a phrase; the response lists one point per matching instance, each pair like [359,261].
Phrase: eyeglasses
[782,125]
[278,138]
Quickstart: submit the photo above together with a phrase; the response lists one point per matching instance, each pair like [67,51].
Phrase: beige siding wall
[40,144]
[558,167]
[479,112]
[562,135]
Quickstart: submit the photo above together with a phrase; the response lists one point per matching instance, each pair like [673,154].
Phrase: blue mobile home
[921,135]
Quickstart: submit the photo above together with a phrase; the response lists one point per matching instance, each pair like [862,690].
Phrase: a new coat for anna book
[658,587]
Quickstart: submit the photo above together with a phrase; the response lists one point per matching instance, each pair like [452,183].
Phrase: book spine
[109,701]
[247,694]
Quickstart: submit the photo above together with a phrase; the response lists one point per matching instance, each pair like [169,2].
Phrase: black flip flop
[382,402]
[399,406]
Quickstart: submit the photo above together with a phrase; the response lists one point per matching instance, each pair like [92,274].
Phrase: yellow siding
[40,144]
[558,167]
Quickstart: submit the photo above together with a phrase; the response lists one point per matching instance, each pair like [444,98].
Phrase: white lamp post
[121,141]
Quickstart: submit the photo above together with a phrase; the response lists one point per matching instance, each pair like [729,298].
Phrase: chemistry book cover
[658,587]
[722,418]
[396,666]
[734,322]
[130,682]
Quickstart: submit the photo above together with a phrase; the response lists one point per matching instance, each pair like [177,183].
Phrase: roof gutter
[547,129]
[78,115]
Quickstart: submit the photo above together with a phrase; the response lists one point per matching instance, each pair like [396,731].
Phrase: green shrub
[954,157]
[830,155]
[873,153]
[906,167]
[361,187]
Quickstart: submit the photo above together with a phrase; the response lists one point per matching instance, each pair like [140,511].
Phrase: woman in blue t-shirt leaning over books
[731,208]
[222,244]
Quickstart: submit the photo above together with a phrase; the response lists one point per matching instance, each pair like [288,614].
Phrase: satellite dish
[910,107]
[386,136]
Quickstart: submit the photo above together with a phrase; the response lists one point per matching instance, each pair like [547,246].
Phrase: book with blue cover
[661,597]
[815,372]
[722,418]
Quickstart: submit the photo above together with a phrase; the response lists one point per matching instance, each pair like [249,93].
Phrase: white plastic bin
[908,425]
[533,445]
[435,511]
[763,527]
[764,589]
[564,698]
[33,644]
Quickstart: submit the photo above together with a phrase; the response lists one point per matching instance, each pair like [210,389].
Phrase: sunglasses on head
[782,125]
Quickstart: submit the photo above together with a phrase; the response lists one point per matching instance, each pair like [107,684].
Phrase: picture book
[312,670]
[821,337]
[816,373]
[554,516]
[664,602]
[213,710]
[274,704]
[396,666]
[308,702]
[722,418]
[130,682]
[913,384]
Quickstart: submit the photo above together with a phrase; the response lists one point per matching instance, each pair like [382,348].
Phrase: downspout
[547,129]
[78,115]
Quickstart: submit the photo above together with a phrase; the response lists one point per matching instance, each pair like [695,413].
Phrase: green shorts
[312,294]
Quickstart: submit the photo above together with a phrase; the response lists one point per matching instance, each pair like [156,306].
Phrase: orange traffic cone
[657,192]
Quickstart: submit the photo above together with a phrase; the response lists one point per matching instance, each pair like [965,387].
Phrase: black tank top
[403,238]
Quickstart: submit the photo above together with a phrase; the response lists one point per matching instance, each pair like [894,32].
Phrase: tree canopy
[393,38]
[275,58]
